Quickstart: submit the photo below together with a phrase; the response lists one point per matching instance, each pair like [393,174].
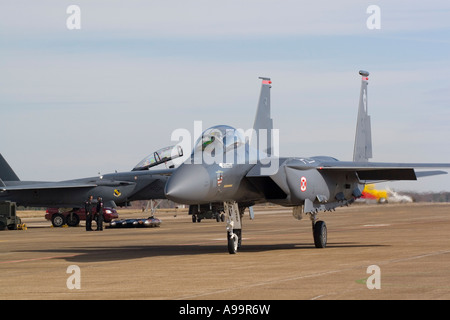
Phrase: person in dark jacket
[88,207]
[99,214]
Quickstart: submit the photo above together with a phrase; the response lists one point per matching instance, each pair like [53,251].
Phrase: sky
[78,102]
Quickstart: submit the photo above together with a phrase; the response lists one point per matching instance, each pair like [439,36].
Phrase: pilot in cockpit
[225,135]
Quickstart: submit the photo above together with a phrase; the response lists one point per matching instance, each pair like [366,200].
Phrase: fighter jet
[225,171]
[115,188]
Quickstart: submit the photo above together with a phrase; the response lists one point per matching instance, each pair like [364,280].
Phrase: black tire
[320,234]
[74,221]
[58,220]
[194,218]
[232,243]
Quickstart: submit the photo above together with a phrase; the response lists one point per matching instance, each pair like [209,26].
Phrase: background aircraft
[242,176]
[371,194]
[115,188]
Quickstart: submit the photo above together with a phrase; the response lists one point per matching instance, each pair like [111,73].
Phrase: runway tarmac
[409,243]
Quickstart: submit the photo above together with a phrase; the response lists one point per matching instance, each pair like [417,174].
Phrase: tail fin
[363,138]
[6,173]
[263,119]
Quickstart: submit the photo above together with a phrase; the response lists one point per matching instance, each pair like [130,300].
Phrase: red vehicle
[72,217]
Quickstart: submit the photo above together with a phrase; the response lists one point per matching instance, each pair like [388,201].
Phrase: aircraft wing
[285,183]
[381,171]
[23,185]
[276,184]
[46,185]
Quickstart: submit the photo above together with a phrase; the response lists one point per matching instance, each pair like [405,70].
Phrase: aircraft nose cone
[189,184]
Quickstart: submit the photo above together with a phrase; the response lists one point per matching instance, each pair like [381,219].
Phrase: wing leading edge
[46,186]
[380,171]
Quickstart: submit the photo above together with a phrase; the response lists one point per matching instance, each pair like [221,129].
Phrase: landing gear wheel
[233,241]
[194,218]
[320,234]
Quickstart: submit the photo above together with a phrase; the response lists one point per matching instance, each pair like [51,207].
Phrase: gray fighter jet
[226,173]
[115,188]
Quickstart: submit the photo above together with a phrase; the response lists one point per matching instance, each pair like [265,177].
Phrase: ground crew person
[88,206]
[99,214]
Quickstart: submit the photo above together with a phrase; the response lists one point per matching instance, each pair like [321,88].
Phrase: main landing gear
[319,229]
[320,233]
[234,227]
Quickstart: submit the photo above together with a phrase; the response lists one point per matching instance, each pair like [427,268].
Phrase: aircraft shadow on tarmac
[135,252]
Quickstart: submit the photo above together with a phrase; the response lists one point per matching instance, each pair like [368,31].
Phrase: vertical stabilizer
[363,138]
[263,121]
[6,173]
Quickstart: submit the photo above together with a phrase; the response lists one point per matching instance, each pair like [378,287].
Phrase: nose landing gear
[234,226]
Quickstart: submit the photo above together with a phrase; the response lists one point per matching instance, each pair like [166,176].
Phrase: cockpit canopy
[218,137]
[160,156]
